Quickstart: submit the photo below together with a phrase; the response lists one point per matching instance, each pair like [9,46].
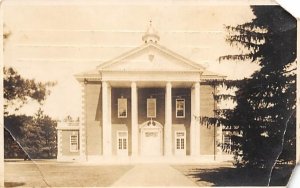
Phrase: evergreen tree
[39,136]
[13,134]
[263,121]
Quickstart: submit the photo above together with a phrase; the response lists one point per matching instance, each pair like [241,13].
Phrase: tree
[39,136]
[13,134]
[264,119]
[17,92]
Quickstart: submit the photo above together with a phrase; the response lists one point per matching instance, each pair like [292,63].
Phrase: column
[106,119]
[168,121]
[134,120]
[195,115]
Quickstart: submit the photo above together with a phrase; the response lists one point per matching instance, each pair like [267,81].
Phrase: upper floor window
[151,108]
[180,108]
[122,108]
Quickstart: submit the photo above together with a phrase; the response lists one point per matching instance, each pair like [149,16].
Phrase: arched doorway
[151,138]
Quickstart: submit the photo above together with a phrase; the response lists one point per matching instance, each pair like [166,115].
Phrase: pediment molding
[150,50]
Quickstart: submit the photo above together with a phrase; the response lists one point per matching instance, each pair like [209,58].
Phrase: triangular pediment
[150,57]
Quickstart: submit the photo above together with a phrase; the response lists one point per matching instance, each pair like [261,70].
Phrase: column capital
[106,84]
[133,84]
[196,84]
[169,84]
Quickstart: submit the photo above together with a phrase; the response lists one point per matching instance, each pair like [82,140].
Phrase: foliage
[263,120]
[36,135]
[39,136]
[17,91]
[12,135]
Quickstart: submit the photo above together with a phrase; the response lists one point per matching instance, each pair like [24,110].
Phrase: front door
[151,140]
[151,143]
[122,140]
[180,143]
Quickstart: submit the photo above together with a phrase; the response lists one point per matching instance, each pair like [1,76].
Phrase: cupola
[150,35]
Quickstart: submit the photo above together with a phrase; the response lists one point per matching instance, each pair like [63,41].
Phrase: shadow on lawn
[13,184]
[226,176]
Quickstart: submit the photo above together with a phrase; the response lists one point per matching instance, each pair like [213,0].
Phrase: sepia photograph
[148,93]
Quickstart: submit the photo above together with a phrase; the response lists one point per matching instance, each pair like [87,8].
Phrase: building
[143,105]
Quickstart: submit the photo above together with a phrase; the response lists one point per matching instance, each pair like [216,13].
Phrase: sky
[53,41]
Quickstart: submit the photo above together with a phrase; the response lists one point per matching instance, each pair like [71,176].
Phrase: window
[122,108]
[177,143]
[122,140]
[151,108]
[180,140]
[227,140]
[180,108]
[122,144]
[180,143]
[74,142]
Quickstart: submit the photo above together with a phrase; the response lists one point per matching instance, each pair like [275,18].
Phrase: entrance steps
[202,159]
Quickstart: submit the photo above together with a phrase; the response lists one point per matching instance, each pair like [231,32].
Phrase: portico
[140,128]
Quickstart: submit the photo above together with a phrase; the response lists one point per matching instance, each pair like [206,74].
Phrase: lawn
[53,174]
[227,175]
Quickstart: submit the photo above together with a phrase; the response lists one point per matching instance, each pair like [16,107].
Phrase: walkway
[153,175]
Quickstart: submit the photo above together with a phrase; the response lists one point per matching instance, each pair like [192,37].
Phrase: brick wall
[120,124]
[180,124]
[93,116]
[206,109]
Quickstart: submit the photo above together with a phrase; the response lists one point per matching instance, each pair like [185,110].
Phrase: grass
[29,174]
[51,173]
[230,176]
